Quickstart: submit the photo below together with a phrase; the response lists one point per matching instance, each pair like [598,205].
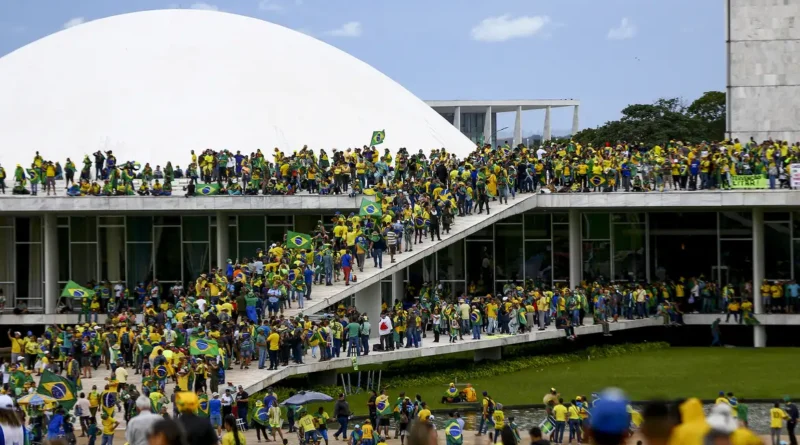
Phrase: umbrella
[74,290]
[36,400]
[303,397]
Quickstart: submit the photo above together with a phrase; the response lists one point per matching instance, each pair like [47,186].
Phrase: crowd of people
[552,166]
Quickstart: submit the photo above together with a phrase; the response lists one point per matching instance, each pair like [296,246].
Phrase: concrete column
[518,127]
[546,132]
[457,118]
[487,126]
[222,239]
[575,122]
[575,260]
[759,332]
[493,354]
[368,301]
[397,286]
[51,290]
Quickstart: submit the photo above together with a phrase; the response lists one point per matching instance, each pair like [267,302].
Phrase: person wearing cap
[215,412]
[610,420]
[17,345]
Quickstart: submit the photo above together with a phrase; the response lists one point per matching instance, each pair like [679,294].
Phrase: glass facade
[534,246]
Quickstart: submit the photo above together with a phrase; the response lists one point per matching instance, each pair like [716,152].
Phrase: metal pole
[344,385]
[380,374]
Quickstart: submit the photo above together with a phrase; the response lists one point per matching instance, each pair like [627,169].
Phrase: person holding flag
[384,410]
[477,321]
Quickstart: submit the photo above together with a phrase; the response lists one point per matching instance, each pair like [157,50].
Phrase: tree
[662,121]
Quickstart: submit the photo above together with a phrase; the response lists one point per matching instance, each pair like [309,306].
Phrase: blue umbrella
[303,397]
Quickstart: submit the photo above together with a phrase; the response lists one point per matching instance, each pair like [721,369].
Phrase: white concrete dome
[153,85]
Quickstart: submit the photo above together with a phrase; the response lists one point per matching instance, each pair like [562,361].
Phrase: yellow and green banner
[749,182]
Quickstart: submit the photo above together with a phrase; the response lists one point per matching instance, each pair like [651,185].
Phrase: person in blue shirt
[347,264]
[215,412]
[625,169]
[308,274]
[792,295]
[694,170]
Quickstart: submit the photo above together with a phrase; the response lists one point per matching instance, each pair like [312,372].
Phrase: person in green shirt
[353,330]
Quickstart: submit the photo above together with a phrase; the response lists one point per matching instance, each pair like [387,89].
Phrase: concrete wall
[763,43]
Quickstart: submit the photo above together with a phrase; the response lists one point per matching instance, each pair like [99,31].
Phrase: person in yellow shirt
[574,419]
[776,418]
[776,291]
[367,433]
[560,413]
[424,413]
[499,420]
[109,426]
[17,346]
[274,341]
[491,315]
[232,434]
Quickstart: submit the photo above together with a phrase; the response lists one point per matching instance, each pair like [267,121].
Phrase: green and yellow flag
[203,346]
[378,137]
[296,240]
[74,290]
[202,407]
[369,208]
[597,180]
[58,388]
[108,401]
[208,189]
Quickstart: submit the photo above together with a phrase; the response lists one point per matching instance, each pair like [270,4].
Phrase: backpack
[490,406]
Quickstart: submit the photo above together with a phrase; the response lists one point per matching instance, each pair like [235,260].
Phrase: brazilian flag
[202,407]
[58,388]
[74,290]
[475,317]
[161,372]
[203,346]
[296,240]
[108,401]
[369,208]
[597,180]
[208,189]
[378,137]
[261,416]
[382,405]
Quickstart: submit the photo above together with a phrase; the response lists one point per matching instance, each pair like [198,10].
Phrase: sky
[605,53]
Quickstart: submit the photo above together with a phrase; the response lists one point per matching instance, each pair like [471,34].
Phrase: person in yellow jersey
[560,413]
[17,346]
[424,413]
[776,418]
[499,419]
[574,420]
[307,426]
[367,433]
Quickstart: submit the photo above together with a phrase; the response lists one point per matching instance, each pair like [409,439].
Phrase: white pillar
[457,118]
[575,260]
[487,126]
[368,301]
[222,239]
[759,332]
[51,289]
[575,122]
[546,133]
[518,127]
[397,286]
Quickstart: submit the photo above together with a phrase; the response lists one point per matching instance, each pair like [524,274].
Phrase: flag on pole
[378,137]
[59,388]
[296,240]
[74,290]
[203,346]
[369,208]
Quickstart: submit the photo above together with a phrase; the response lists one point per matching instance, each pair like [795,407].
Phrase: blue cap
[722,393]
[610,413]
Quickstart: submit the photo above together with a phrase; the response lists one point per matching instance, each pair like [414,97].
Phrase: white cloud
[75,21]
[269,5]
[625,30]
[204,6]
[504,27]
[349,29]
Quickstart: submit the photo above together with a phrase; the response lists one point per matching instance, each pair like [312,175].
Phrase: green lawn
[669,373]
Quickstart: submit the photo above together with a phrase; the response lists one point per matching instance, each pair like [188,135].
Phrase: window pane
[538,262]
[139,228]
[595,226]
[139,264]
[484,233]
[251,228]
[508,245]
[737,263]
[213,258]
[248,249]
[480,265]
[420,272]
[83,228]
[275,234]
[112,220]
[596,260]
[629,246]
[112,253]
[628,217]
[513,219]
[451,262]
[195,260]
[7,255]
[537,226]
[63,254]
[84,263]
[233,245]
[61,221]
[776,216]
[29,272]
[735,224]
[195,228]
[682,255]
[168,253]
[169,220]
[29,229]
[453,289]
[285,220]
[560,218]
[560,252]
[684,222]
[796,228]
[777,251]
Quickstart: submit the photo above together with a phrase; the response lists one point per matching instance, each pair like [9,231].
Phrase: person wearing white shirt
[201,304]
[121,374]
[84,413]
[385,331]
[227,403]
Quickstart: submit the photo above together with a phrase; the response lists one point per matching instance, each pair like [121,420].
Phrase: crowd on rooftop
[506,170]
